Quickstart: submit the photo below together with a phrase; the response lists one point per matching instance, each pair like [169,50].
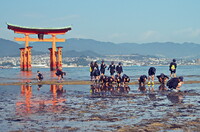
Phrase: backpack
[173,67]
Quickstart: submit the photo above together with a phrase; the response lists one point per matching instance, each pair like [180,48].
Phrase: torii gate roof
[33,30]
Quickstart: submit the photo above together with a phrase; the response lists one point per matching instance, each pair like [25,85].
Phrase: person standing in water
[172,68]
[103,67]
[96,71]
[119,69]
[112,68]
[91,70]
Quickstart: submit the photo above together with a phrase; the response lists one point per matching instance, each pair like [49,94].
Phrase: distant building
[198,61]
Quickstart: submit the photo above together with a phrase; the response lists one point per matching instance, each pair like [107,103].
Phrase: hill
[164,49]
[9,48]
[73,53]
[89,47]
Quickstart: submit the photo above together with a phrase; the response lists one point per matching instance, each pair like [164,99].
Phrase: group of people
[95,71]
[115,82]
[98,75]
[173,84]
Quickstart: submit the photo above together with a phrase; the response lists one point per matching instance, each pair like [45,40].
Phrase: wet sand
[74,82]
[76,109]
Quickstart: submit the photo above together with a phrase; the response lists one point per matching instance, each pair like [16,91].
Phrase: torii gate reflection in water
[25,53]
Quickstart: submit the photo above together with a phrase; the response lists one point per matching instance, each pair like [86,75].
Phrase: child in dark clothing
[119,68]
[39,76]
[96,71]
[172,68]
[112,68]
[142,80]
[91,70]
[103,67]
[175,83]
[151,73]
[60,73]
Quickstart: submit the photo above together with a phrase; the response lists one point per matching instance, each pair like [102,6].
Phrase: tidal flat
[58,107]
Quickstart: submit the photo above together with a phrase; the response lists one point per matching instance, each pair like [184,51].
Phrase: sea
[76,108]
[189,72]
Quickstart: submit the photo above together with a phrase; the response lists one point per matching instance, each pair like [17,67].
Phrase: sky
[118,21]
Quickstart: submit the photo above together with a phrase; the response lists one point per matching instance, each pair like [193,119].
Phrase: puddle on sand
[77,108]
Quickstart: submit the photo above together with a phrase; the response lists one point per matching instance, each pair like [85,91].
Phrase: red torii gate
[25,53]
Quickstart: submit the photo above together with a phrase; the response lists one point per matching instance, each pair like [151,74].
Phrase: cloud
[188,32]
[150,36]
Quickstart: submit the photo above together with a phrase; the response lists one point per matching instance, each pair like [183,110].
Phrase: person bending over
[151,73]
[39,76]
[175,83]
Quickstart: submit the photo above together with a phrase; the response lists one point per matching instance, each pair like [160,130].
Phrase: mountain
[167,49]
[88,47]
[9,48]
[73,53]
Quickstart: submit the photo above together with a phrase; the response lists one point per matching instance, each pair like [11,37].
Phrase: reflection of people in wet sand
[60,90]
[111,89]
[175,83]
[152,96]
[142,88]
[39,87]
[175,97]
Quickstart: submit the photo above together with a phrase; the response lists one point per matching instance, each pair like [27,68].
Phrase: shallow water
[75,108]
[82,73]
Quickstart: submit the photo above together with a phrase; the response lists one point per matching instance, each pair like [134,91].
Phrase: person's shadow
[175,97]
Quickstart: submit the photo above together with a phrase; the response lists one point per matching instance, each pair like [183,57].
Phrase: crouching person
[175,83]
[125,79]
[60,74]
[39,76]
[142,81]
